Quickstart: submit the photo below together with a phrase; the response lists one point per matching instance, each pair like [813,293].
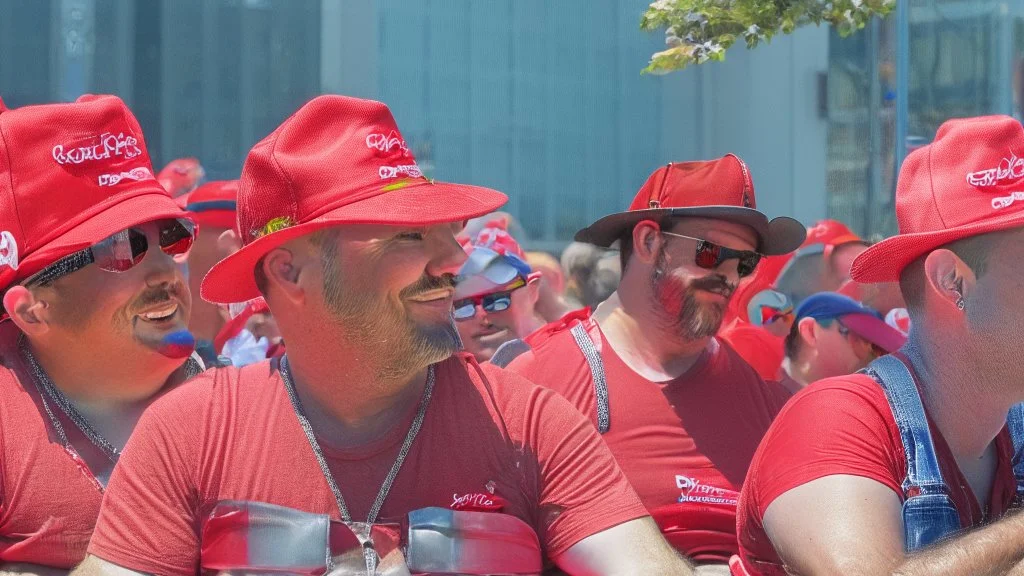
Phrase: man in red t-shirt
[827,491]
[680,410]
[370,416]
[95,312]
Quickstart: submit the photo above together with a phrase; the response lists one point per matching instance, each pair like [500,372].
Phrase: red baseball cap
[181,176]
[70,176]
[968,181]
[830,233]
[338,160]
[720,189]
[212,203]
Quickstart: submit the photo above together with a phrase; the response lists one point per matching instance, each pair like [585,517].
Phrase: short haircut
[975,251]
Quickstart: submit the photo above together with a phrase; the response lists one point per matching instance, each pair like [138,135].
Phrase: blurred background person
[551,301]
[212,207]
[834,335]
[496,294]
[593,273]
[181,176]
[823,263]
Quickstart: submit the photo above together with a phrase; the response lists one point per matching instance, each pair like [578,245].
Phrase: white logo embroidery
[8,250]
[386,143]
[471,500]
[108,145]
[696,493]
[1006,201]
[136,174]
[410,170]
[1011,168]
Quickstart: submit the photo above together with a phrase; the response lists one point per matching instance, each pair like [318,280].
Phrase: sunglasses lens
[464,310]
[707,255]
[121,251]
[497,302]
[748,263]
[176,237]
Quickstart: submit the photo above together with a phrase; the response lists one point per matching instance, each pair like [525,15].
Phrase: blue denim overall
[928,511]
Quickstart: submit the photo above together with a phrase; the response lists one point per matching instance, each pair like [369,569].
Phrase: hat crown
[972,172]
[722,182]
[333,151]
[61,164]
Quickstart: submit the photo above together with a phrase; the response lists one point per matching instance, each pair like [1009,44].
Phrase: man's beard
[396,343]
[682,312]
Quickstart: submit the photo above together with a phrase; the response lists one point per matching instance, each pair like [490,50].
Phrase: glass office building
[543,100]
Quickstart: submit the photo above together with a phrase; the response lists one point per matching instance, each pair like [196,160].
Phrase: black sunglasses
[122,251]
[709,255]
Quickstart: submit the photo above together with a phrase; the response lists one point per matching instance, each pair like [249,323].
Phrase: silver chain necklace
[47,389]
[362,531]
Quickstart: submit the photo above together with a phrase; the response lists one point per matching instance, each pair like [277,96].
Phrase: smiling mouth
[164,313]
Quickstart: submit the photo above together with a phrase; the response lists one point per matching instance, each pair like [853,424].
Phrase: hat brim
[131,211]
[778,236]
[885,261]
[874,330]
[421,204]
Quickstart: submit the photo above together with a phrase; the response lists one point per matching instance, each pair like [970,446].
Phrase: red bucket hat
[720,189]
[338,160]
[212,203]
[969,181]
[70,176]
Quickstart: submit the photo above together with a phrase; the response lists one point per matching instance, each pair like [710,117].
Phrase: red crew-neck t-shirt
[232,434]
[49,498]
[845,426]
[685,445]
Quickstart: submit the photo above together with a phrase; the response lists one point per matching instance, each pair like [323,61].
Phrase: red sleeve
[149,521]
[582,491]
[837,426]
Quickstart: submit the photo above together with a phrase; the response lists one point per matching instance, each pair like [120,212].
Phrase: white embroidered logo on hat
[410,170]
[386,143]
[1011,168]
[136,174]
[102,147]
[8,250]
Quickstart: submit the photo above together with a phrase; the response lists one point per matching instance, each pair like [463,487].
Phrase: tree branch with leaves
[700,30]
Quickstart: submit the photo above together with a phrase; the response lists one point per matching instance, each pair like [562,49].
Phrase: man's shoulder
[857,396]
[513,393]
[217,389]
[553,345]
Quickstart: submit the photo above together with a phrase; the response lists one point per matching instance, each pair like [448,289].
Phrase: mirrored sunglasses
[465,308]
[122,251]
[709,255]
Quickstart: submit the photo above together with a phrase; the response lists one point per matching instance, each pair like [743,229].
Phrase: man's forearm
[24,569]
[992,550]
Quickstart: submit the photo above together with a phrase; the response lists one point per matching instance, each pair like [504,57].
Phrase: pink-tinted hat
[70,176]
[338,160]
[969,181]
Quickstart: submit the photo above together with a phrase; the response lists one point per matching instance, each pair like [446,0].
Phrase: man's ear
[27,311]
[808,328]
[228,243]
[282,270]
[948,278]
[646,241]
[533,285]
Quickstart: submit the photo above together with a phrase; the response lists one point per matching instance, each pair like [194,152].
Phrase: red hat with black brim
[968,181]
[338,160]
[719,189]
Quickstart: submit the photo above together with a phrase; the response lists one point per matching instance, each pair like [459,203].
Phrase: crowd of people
[336,365]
